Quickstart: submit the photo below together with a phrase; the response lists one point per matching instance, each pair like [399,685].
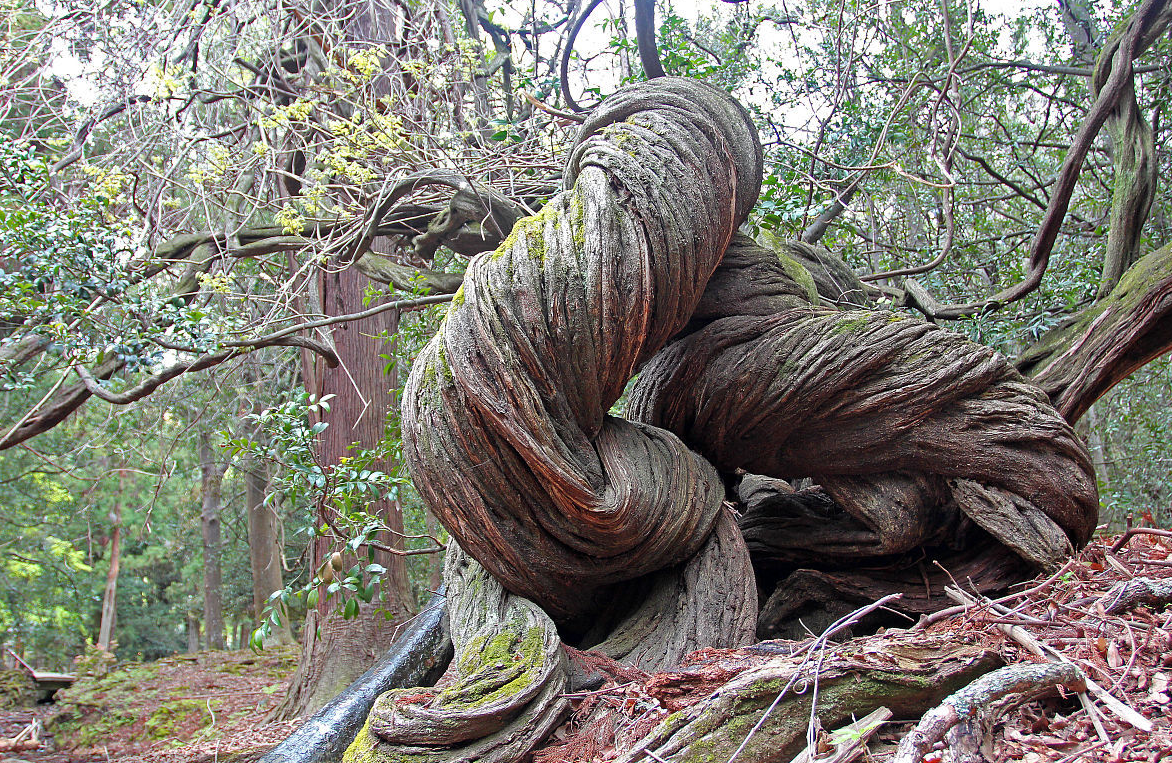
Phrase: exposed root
[501,696]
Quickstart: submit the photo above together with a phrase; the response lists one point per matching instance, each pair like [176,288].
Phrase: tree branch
[150,384]
[1147,25]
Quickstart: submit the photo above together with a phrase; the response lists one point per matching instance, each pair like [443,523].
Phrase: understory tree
[688,390]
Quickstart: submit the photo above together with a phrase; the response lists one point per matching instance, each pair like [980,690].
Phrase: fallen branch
[977,696]
[1036,648]
[1128,593]
[904,672]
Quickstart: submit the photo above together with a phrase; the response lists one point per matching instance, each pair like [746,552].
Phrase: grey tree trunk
[110,596]
[192,632]
[264,548]
[211,482]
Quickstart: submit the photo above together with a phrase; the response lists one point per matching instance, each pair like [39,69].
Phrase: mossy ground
[16,689]
[133,707]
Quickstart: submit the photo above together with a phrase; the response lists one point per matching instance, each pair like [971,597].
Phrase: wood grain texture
[505,415]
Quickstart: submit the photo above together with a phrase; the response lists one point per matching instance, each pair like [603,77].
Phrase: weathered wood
[817,596]
[809,393]
[1146,591]
[710,600]
[975,698]
[505,423]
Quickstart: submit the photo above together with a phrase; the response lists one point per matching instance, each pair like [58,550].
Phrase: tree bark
[505,424]
[211,482]
[264,548]
[418,657]
[334,651]
[110,595]
[502,694]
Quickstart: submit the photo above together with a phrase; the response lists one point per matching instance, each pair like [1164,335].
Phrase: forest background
[227,226]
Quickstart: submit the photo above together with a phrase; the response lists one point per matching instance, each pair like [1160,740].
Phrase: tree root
[501,696]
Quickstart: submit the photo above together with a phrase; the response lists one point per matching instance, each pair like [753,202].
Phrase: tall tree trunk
[336,651]
[211,480]
[110,597]
[264,549]
[192,632]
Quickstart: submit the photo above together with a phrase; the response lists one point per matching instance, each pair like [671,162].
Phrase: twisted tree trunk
[575,525]
[918,438]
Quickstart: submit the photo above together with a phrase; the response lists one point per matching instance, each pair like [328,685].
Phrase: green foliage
[337,502]
[1134,420]
[17,689]
[288,440]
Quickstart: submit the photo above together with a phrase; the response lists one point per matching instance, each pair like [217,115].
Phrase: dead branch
[977,696]
[1128,593]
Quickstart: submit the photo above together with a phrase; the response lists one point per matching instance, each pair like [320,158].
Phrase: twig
[1134,531]
[927,620]
[1095,716]
[1080,753]
[571,116]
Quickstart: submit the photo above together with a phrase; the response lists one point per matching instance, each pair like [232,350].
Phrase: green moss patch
[173,701]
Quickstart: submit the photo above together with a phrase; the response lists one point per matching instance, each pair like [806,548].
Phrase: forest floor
[191,707]
[211,706]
